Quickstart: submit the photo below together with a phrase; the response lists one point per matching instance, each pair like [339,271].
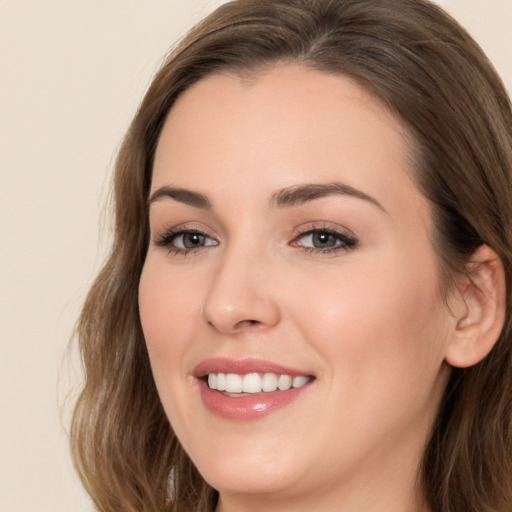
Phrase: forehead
[285,125]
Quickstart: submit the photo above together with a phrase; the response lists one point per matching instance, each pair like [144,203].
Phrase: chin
[251,481]
[258,472]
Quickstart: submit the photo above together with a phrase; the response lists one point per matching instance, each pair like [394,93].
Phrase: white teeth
[251,383]
[233,383]
[284,383]
[269,382]
[221,381]
[254,382]
[298,382]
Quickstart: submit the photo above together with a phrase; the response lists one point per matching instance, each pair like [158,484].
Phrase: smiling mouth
[249,389]
[253,383]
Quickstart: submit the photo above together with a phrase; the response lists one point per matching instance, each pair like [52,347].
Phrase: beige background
[71,76]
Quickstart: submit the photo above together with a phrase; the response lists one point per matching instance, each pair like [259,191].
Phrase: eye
[191,240]
[184,241]
[324,240]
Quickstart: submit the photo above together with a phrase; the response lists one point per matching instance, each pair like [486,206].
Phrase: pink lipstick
[248,389]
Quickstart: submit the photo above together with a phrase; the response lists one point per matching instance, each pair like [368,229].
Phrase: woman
[307,305]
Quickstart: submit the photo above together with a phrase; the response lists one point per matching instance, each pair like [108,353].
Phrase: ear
[480,321]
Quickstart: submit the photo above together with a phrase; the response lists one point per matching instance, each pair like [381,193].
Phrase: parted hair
[430,73]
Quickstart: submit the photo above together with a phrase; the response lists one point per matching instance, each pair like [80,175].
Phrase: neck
[383,496]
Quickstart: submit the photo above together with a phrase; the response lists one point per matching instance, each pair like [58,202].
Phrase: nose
[242,295]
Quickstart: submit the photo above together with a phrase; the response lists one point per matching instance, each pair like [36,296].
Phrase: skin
[367,321]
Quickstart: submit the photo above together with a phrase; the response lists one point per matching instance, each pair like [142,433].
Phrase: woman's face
[288,239]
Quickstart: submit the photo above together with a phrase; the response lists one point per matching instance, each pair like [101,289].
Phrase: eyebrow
[295,195]
[300,194]
[181,195]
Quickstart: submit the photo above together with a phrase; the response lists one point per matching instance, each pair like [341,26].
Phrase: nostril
[248,323]
[239,314]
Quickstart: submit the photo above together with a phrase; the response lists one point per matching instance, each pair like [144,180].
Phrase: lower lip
[247,407]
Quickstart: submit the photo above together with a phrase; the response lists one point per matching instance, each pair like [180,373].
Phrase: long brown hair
[429,72]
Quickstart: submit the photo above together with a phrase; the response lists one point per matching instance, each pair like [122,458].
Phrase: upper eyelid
[298,231]
[337,233]
[164,236]
[173,232]
[322,225]
[185,227]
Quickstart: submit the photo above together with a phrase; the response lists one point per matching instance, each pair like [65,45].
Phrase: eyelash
[168,237]
[344,242]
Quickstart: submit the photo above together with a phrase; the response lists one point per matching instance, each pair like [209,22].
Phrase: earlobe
[480,321]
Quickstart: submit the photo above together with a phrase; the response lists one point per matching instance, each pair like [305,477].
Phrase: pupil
[323,239]
[193,240]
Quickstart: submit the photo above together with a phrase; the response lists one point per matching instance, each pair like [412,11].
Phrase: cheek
[382,334]
[384,318]
[168,311]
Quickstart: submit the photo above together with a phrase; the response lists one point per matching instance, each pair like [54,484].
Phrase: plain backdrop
[71,76]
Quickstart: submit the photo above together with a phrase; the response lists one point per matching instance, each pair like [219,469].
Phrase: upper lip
[244,366]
